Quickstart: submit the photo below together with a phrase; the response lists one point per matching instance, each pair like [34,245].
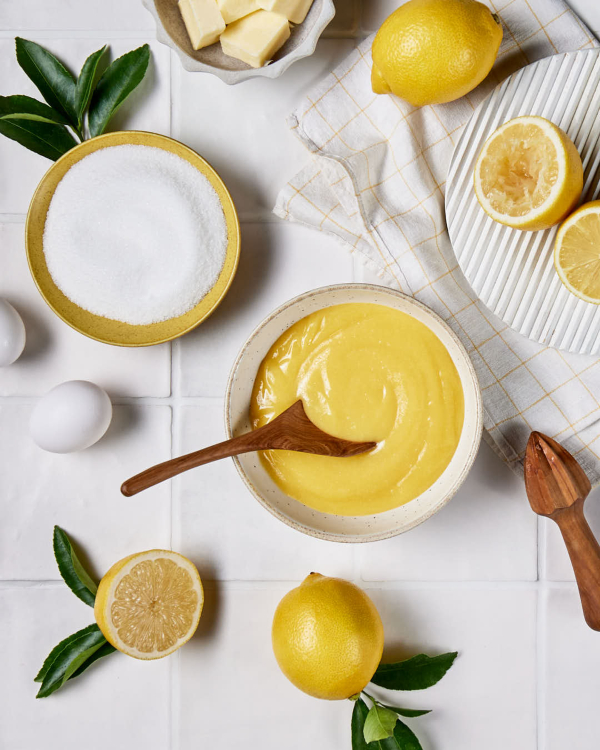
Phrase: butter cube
[231,10]
[294,10]
[254,39]
[203,21]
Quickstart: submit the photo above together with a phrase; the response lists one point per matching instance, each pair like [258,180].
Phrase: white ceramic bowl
[170,30]
[294,513]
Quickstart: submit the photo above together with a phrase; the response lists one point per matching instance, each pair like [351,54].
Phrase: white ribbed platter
[512,271]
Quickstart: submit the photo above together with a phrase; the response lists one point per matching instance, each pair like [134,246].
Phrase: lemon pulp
[363,372]
[577,252]
[529,174]
[149,604]
[519,171]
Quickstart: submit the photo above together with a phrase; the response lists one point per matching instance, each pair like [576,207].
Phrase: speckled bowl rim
[102,329]
[475,436]
[232,77]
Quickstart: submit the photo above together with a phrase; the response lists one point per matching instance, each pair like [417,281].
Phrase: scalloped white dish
[170,30]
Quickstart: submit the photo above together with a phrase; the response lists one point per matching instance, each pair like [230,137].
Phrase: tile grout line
[541,668]
[174,393]
[542,529]
[248,585]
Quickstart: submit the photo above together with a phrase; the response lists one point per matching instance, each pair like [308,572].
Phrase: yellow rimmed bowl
[104,329]
[326,525]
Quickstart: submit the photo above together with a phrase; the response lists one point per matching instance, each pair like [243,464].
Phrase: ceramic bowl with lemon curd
[104,329]
[342,528]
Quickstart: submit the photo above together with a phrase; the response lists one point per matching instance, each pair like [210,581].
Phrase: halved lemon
[149,604]
[529,174]
[577,252]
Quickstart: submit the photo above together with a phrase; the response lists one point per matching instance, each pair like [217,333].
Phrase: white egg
[71,417]
[12,334]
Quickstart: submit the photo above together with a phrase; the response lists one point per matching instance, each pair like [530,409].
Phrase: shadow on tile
[253,275]
[211,612]
[85,556]
[125,420]
[592,511]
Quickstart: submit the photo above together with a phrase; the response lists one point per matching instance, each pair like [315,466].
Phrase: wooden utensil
[557,487]
[292,430]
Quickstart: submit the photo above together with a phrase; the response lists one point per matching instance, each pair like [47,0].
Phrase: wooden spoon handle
[584,552]
[250,441]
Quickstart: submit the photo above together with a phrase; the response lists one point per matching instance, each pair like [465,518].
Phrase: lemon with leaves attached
[327,637]
[435,51]
[149,604]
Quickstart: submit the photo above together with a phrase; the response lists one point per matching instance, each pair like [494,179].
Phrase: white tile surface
[268,711]
[493,630]
[241,130]
[119,702]
[277,262]
[488,698]
[80,492]
[465,580]
[66,14]
[486,532]
[557,564]
[54,352]
[225,531]
[146,109]
[571,667]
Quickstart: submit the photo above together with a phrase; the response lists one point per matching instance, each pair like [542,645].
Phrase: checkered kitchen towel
[376,181]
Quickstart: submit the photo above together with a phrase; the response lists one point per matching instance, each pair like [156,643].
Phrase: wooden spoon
[292,430]
[557,487]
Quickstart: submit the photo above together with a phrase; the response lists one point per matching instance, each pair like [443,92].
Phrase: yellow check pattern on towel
[376,181]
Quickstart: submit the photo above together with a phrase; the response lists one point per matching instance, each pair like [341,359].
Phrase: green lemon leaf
[53,80]
[417,673]
[408,712]
[117,82]
[85,83]
[66,658]
[379,724]
[105,650]
[359,715]
[403,739]
[52,656]
[45,139]
[72,571]
[25,108]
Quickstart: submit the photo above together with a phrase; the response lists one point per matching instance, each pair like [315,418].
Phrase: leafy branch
[73,106]
[380,727]
[74,654]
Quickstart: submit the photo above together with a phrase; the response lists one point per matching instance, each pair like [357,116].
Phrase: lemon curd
[363,372]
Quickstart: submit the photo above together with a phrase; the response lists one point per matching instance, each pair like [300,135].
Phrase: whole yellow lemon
[327,637]
[435,51]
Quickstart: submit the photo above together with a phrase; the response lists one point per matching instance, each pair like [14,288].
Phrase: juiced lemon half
[149,604]
[577,252]
[529,174]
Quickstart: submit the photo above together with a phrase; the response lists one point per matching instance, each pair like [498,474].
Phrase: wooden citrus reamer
[557,488]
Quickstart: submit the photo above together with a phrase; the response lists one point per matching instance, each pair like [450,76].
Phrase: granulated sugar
[136,234]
